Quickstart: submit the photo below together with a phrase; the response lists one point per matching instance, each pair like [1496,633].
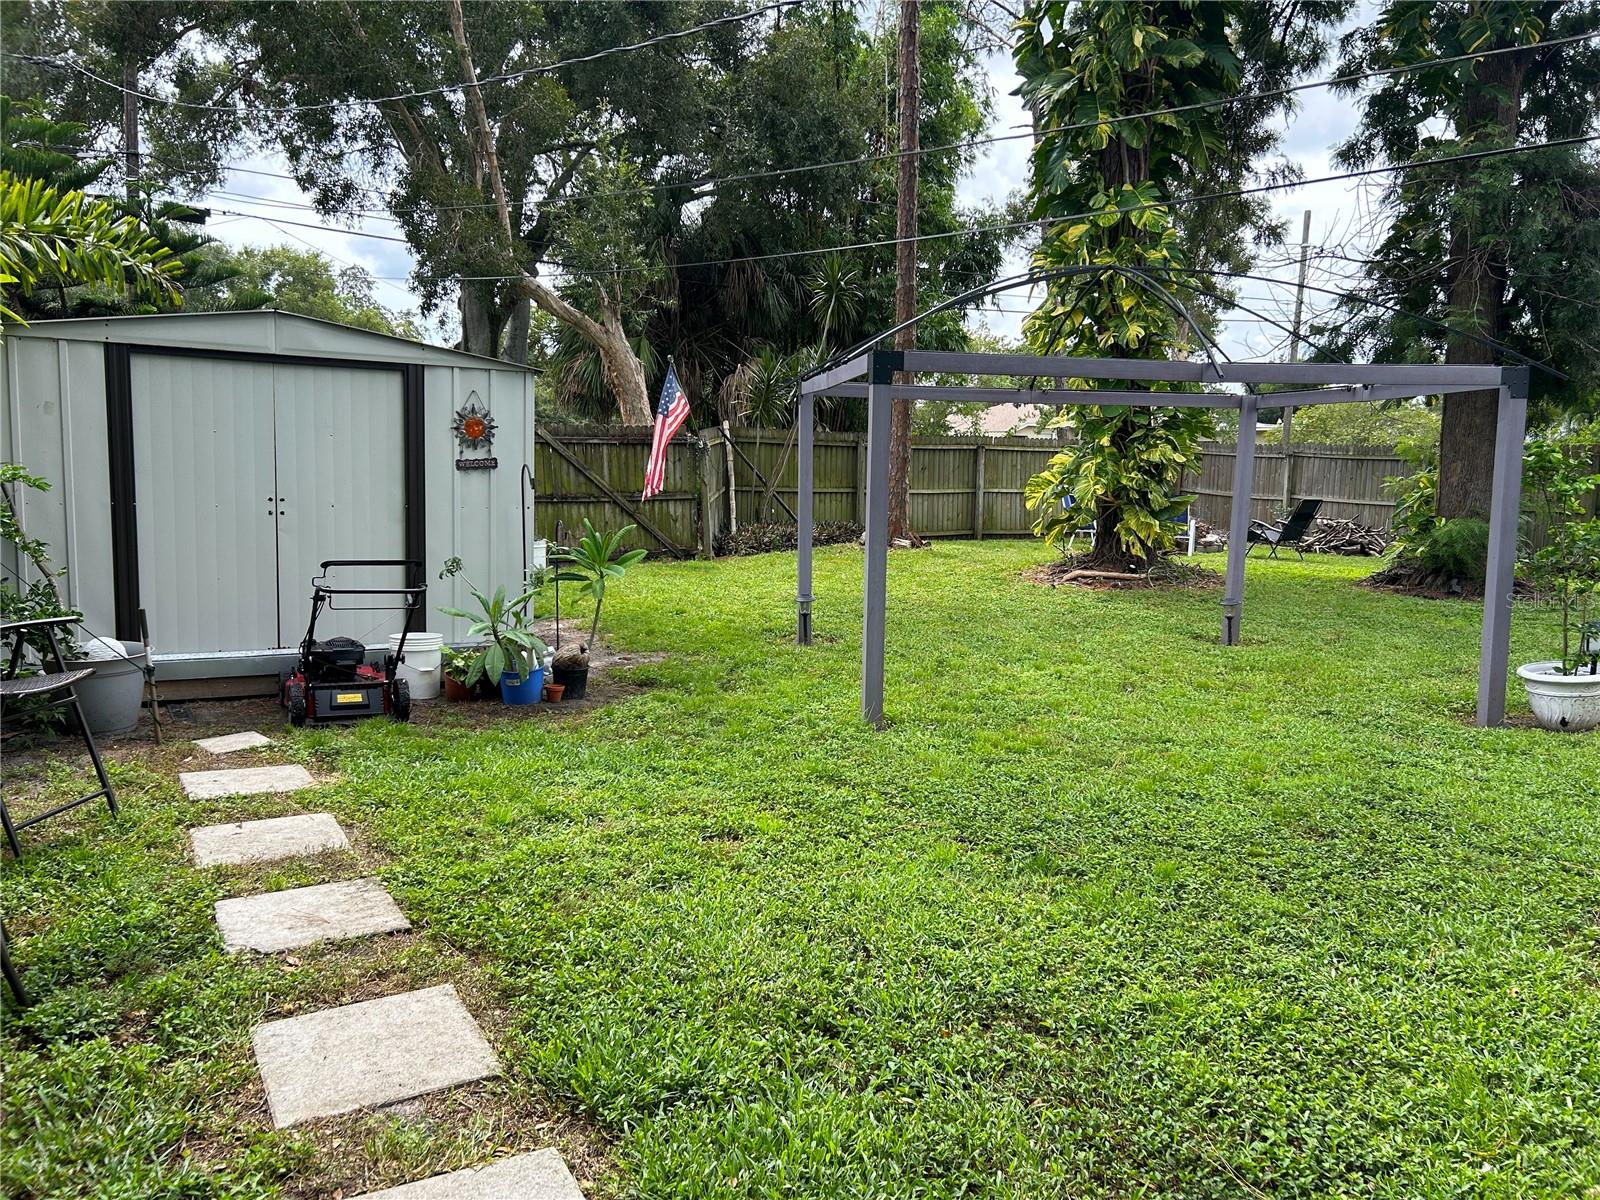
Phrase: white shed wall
[53,420]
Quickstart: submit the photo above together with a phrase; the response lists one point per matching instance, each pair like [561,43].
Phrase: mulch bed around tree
[1167,573]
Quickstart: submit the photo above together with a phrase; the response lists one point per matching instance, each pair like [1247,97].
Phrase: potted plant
[512,653]
[458,676]
[1564,692]
[597,559]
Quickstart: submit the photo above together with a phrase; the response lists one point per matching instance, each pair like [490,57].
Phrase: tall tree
[35,147]
[300,281]
[905,273]
[489,183]
[1113,192]
[68,239]
[748,279]
[91,62]
[1501,250]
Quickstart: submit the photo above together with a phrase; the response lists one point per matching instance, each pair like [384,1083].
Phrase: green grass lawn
[1108,910]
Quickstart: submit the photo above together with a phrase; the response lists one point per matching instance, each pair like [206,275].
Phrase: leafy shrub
[1458,548]
[765,537]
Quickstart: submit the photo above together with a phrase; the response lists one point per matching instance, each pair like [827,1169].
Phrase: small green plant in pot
[458,673]
[596,561]
[512,654]
[1564,693]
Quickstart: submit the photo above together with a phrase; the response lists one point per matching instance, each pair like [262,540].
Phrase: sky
[1311,133]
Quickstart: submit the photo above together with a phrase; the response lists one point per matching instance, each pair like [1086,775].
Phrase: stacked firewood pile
[1326,537]
[1344,537]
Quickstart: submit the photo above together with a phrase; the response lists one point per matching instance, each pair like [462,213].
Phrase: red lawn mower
[332,680]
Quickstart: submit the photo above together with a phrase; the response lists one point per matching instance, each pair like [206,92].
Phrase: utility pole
[905,281]
[1294,355]
[132,164]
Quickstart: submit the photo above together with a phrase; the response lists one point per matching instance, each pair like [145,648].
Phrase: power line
[710,186]
[1232,193]
[324,105]
[1228,194]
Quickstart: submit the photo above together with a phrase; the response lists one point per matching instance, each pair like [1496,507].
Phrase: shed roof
[258,330]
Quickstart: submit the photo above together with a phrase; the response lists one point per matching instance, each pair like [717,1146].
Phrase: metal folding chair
[1275,535]
[58,683]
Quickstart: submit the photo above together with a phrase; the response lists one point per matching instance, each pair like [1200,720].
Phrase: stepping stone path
[360,1055]
[266,841]
[538,1176]
[300,916]
[244,781]
[229,742]
[368,1054]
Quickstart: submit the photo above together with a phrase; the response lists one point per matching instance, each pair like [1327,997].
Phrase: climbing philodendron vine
[1108,184]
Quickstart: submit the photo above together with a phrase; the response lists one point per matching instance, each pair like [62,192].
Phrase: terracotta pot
[455,691]
[554,691]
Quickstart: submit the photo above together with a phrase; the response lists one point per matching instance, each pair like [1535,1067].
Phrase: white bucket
[422,667]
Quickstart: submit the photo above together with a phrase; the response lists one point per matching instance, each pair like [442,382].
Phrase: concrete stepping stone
[328,912]
[541,1175]
[265,841]
[244,781]
[369,1054]
[229,742]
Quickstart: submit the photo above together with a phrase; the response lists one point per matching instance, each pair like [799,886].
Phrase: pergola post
[802,599]
[1505,504]
[873,599]
[1244,476]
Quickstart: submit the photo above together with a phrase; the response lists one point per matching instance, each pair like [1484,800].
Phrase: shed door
[340,438]
[203,488]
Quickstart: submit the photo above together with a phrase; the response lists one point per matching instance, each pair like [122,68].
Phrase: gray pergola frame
[871,376]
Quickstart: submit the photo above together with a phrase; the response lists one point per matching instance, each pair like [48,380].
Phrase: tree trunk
[477,324]
[905,281]
[515,344]
[622,368]
[1477,302]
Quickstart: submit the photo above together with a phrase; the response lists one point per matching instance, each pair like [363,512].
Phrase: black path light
[867,372]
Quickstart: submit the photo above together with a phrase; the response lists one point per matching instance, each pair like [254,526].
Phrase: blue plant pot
[526,692]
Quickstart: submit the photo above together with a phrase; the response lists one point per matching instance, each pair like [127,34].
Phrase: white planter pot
[111,698]
[1564,703]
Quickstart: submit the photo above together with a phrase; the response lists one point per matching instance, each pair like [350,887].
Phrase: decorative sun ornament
[473,425]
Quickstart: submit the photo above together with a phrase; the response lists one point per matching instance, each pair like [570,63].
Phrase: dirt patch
[1172,573]
[185,720]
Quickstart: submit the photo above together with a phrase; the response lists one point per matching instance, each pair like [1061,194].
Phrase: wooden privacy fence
[1349,480]
[960,486]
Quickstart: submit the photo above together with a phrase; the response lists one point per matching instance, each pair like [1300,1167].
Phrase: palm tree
[54,237]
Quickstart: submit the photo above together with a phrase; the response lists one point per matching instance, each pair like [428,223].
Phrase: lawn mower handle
[413,570]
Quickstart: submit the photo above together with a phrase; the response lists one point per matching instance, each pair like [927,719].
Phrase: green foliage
[299,281]
[817,86]
[1457,548]
[1561,471]
[1143,916]
[596,560]
[1527,218]
[68,240]
[1367,424]
[1128,462]
[507,624]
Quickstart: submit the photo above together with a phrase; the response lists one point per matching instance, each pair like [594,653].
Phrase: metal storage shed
[204,463]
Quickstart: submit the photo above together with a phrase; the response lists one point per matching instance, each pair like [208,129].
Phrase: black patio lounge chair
[57,682]
[1288,533]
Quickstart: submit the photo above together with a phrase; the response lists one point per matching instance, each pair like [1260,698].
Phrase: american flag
[671,412]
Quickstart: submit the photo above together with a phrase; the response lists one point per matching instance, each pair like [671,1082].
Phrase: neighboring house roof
[1001,419]
[258,330]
